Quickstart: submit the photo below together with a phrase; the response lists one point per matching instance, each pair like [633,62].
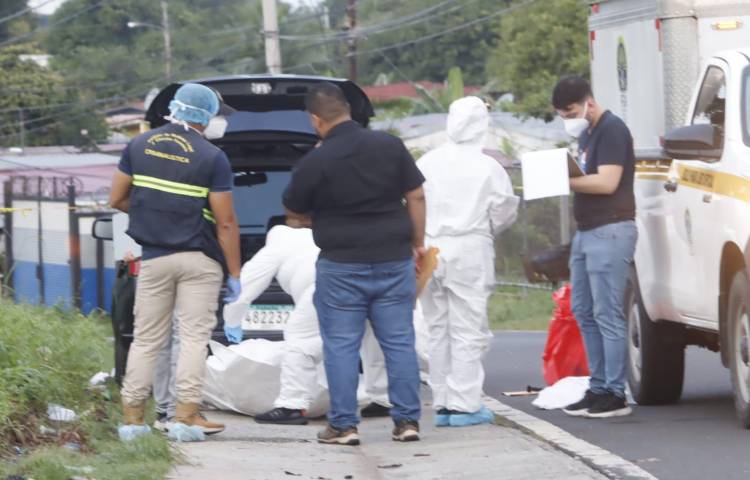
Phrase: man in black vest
[177,188]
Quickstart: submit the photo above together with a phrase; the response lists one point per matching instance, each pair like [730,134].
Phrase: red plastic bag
[564,354]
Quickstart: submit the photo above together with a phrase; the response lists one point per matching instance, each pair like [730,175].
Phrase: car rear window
[255,205]
[295,121]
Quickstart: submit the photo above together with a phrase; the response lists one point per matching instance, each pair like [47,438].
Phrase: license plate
[267,317]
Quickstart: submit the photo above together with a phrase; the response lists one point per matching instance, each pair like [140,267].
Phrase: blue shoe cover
[128,433]
[483,415]
[179,432]
[442,419]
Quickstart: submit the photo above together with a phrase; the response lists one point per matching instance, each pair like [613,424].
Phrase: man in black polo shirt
[362,194]
[603,248]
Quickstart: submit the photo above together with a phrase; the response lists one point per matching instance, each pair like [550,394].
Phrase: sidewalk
[248,451]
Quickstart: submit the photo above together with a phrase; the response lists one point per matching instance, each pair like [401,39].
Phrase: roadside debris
[563,393]
[58,413]
[99,378]
[47,431]
[524,393]
[73,446]
[395,465]
[85,470]
[129,433]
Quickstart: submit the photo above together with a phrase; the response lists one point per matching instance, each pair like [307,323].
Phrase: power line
[134,93]
[24,11]
[53,24]
[426,37]
[293,21]
[388,25]
[400,22]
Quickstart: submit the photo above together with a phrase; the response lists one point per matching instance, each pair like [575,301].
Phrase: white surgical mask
[576,126]
[216,128]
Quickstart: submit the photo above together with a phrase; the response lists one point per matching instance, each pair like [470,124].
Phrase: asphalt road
[697,438]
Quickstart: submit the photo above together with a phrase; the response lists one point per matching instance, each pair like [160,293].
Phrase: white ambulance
[678,72]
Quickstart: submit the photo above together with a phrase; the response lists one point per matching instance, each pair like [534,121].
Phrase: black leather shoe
[283,416]
[375,410]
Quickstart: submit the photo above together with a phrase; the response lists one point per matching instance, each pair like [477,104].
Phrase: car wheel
[738,316]
[656,353]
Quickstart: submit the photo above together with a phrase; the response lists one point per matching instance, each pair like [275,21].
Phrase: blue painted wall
[57,289]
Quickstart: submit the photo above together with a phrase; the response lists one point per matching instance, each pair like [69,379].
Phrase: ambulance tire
[656,353]
[738,318]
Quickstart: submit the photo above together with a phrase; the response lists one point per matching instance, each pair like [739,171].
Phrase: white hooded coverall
[289,255]
[470,200]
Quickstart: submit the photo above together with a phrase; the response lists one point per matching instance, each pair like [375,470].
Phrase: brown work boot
[133,414]
[406,431]
[190,415]
[332,435]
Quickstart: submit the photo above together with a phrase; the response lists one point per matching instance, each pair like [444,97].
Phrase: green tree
[405,22]
[99,52]
[37,109]
[538,44]
[15,25]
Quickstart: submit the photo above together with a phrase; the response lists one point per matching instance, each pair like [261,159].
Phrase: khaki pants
[187,284]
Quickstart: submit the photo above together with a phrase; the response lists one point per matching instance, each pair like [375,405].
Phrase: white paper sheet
[545,174]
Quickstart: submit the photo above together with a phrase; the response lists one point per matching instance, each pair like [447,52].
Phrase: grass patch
[47,355]
[516,308]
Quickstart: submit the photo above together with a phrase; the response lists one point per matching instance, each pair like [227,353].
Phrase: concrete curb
[601,460]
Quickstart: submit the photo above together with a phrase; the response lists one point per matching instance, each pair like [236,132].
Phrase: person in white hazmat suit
[470,200]
[290,255]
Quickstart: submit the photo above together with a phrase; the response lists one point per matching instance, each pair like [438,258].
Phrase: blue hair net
[194,103]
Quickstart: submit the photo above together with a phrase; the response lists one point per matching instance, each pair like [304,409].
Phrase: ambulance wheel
[656,353]
[738,316]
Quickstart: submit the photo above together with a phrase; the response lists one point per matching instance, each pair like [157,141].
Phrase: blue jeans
[600,262]
[346,295]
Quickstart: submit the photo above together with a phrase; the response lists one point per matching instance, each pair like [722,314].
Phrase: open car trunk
[265,138]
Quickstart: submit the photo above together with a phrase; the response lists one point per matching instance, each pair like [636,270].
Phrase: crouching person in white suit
[289,255]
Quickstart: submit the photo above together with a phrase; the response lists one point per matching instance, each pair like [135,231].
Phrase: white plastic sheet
[244,378]
[565,392]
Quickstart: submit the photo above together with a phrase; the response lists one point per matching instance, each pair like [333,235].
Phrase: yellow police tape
[26,210]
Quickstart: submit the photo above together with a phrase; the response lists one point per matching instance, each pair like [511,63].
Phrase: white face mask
[576,126]
[216,128]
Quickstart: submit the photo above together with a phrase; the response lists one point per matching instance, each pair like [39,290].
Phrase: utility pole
[271,34]
[21,127]
[351,13]
[167,39]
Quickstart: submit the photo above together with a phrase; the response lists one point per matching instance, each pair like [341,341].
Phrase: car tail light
[134,267]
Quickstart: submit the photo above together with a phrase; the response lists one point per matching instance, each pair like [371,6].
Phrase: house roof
[425,132]
[54,161]
[380,93]
[92,171]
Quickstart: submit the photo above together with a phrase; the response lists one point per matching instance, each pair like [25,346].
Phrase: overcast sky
[50,7]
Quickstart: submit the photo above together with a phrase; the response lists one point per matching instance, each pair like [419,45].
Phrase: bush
[48,355]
